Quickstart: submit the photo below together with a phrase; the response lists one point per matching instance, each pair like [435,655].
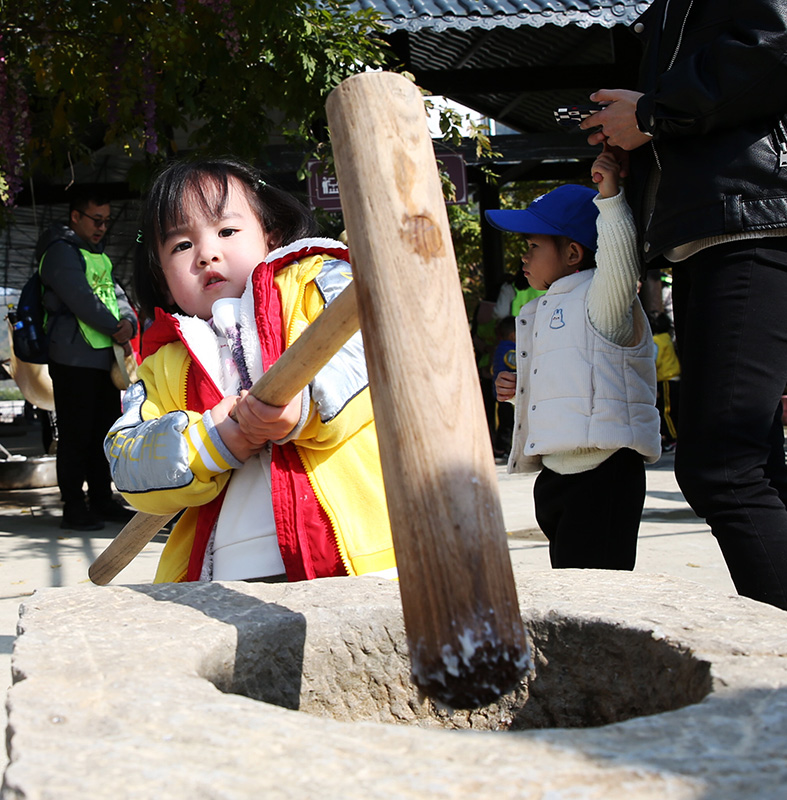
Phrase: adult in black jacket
[707,135]
[88,312]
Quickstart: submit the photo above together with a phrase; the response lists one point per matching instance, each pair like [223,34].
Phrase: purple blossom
[223,9]
[15,125]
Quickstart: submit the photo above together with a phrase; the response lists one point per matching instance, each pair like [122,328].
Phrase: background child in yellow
[667,378]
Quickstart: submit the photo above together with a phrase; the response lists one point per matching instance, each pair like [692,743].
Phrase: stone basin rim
[675,754]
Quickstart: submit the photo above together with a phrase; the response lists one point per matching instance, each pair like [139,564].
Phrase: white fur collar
[201,339]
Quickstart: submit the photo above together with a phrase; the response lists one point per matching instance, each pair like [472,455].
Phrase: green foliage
[10,392]
[223,74]
[466,237]
[455,126]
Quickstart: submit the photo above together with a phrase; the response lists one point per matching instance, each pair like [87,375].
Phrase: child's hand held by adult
[606,171]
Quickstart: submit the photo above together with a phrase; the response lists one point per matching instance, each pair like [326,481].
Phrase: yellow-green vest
[523,297]
[98,271]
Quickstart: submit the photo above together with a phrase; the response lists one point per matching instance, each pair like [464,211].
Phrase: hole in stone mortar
[586,674]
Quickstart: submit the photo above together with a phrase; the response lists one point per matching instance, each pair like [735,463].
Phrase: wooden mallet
[464,630]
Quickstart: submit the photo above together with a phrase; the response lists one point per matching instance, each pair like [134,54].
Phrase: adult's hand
[618,120]
[123,332]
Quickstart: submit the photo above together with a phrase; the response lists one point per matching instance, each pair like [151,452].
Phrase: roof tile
[439,15]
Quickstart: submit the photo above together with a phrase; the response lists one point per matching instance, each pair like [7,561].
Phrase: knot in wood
[423,235]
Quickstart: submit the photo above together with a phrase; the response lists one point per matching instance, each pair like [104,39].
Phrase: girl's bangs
[198,193]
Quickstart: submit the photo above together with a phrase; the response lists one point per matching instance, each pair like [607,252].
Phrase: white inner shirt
[244,544]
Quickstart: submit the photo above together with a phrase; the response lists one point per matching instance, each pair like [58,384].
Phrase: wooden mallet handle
[298,365]
[464,631]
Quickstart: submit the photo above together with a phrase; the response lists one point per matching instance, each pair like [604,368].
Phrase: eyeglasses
[99,222]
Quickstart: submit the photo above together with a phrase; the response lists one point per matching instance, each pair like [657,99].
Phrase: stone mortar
[233,690]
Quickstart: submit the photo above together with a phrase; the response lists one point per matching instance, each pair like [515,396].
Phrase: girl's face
[205,259]
[546,261]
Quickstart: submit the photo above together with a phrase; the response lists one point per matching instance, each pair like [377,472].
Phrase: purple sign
[323,188]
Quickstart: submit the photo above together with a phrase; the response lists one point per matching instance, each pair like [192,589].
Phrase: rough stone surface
[299,691]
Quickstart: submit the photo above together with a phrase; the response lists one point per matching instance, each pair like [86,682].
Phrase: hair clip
[139,237]
[260,184]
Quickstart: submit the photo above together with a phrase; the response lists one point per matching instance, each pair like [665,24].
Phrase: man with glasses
[87,313]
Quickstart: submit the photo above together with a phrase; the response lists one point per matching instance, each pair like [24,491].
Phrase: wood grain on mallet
[464,630]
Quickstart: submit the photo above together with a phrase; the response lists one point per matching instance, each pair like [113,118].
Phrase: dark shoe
[80,519]
[501,457]
[112,511]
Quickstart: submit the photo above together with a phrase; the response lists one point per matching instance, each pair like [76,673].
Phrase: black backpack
[30,340]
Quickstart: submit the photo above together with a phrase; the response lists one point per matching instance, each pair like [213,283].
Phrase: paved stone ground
[35,553]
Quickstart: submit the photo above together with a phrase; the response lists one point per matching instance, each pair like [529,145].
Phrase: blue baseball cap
[568,210]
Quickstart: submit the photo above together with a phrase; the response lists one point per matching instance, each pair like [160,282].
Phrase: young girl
[229,272]
[585,380]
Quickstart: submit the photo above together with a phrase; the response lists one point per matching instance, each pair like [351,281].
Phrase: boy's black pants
[592,518]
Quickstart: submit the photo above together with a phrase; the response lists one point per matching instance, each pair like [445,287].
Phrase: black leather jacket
[715,83]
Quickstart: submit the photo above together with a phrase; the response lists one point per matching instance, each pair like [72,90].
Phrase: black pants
[592,518]
[87,404]
[730,305]
[505,429]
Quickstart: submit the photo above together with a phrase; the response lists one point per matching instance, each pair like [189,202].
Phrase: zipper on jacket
[680,35]
[671,63]
[655,154]
[185,396]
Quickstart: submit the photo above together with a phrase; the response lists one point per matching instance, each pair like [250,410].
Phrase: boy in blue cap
[585,385]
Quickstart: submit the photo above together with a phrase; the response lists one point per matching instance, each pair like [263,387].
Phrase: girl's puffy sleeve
[163,457]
